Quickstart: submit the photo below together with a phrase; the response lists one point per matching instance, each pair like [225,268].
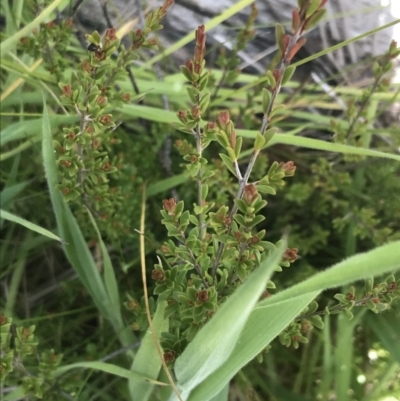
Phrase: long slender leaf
[272,315]
[345,43]
[166,184]
[110,280]
[214,343]
[147,361]
[31,226]
[108,368]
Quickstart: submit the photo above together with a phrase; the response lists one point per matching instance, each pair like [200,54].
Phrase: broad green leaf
[107,368]
[223,395]
[147,361]
[272,315]
[214,343]
[261,328]
[31,226]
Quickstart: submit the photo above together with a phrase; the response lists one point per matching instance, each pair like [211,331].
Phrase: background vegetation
[73,262]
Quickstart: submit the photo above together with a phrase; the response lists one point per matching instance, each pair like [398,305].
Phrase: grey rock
[345,20]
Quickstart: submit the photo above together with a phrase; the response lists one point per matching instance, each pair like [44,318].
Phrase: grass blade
[344,43]
[214,343]
[271,316]
[109,277]
[147,360]
[31,226]
[107,368]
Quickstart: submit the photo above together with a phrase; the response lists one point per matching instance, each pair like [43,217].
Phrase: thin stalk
[266,119]
[199,148]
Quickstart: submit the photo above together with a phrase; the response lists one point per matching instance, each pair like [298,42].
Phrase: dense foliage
[257,200]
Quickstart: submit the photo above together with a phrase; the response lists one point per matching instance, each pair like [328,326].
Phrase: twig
[285,61]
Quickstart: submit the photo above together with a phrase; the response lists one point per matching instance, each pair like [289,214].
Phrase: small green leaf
[287,75]
[279,34]
[228,163]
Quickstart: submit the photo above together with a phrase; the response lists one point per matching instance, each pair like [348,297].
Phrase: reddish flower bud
[195,112]
[250,193]
[100,55]
[66,163]
[194,158]
[101,100]
[69,23]
[190,66]
[126,97]
[106,166]
[158,274]
[288,168]
[71,135]
[170,206]
[169,356]
[210,127]
[202,296]
[182,115]
[165,249]
[254,240]
[290,255]
[223,119]
[237,235]
[86,66]
[133,304]
[152,42]
[351,296]
[67,90]
[106,119]
[111,34]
